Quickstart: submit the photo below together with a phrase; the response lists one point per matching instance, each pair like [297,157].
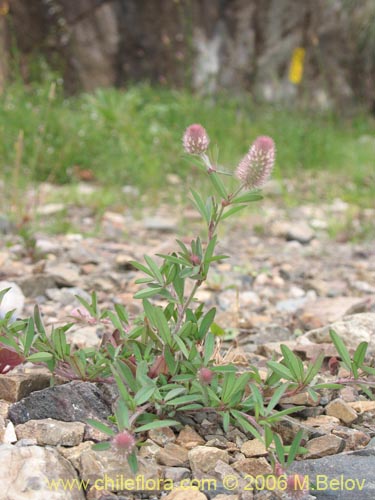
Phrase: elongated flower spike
[195,140]
[255,168]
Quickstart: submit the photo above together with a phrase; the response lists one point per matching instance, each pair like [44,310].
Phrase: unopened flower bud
[205,376]
[255,168]
[124,442]
[159,367]
[195,259]
[333,365]
[195,140]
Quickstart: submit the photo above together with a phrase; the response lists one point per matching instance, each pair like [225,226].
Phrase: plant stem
[181,314]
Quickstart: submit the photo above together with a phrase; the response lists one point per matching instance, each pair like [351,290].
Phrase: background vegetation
[133,137]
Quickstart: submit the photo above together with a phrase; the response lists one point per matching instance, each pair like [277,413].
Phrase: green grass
[133,136]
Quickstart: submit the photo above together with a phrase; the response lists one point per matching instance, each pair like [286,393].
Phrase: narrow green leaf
[157,424]
[200,206]
[293,363]
[122,415]
[231,211]
[162,326]
[154,269]
[314,368]
[206,322]
[226,420]
[277,395]
[133,462]
[173,393]
[209,347]
[359,355]
[40,357]
[144,394]
[195,406]
[121,313]
[281,370]
[293,451]
[341,349]
[218,185]
[101,427]
[217,330]
[248,197]
[182,346]
[147,292]
[3,292]
[38,320]
[141,267]
[101,446]
[189,398]
[29,336]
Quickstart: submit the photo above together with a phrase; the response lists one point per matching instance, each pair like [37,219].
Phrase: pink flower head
[205,376]
[195,140]
[255,168]
[124,442]
[297,486]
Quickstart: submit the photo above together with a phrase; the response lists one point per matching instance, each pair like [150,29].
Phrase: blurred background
[100,91]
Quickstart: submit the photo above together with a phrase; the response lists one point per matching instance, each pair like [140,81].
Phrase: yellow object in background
[4,8]
[296,65]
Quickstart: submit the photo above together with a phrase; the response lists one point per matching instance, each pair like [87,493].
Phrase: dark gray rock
[344,476]
[72,402]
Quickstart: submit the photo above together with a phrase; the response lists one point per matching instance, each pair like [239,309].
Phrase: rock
[162,436]
[52,432]
[4,408]
[114,468]
[300,232]
[37,284]
[324,445]
[362,406]
[50,209]
[345,476]
[226,497]
[323,310]
[9,435]
[354,439]
[81,255]
[26,473]
[291,305]
[253,448]
[14,387]
[204,458]
[352,330]
[188,438]
[162,224]
[44,246]
[13,300]
[73,402]
[342,410]
[323,422]
[185,493]
[302,398]
[172,455]
[288,427]
[73,454]
[253,466]
[176,474]
[363,286]
[84,336]
[293,231]
[64,274]
[67,295]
